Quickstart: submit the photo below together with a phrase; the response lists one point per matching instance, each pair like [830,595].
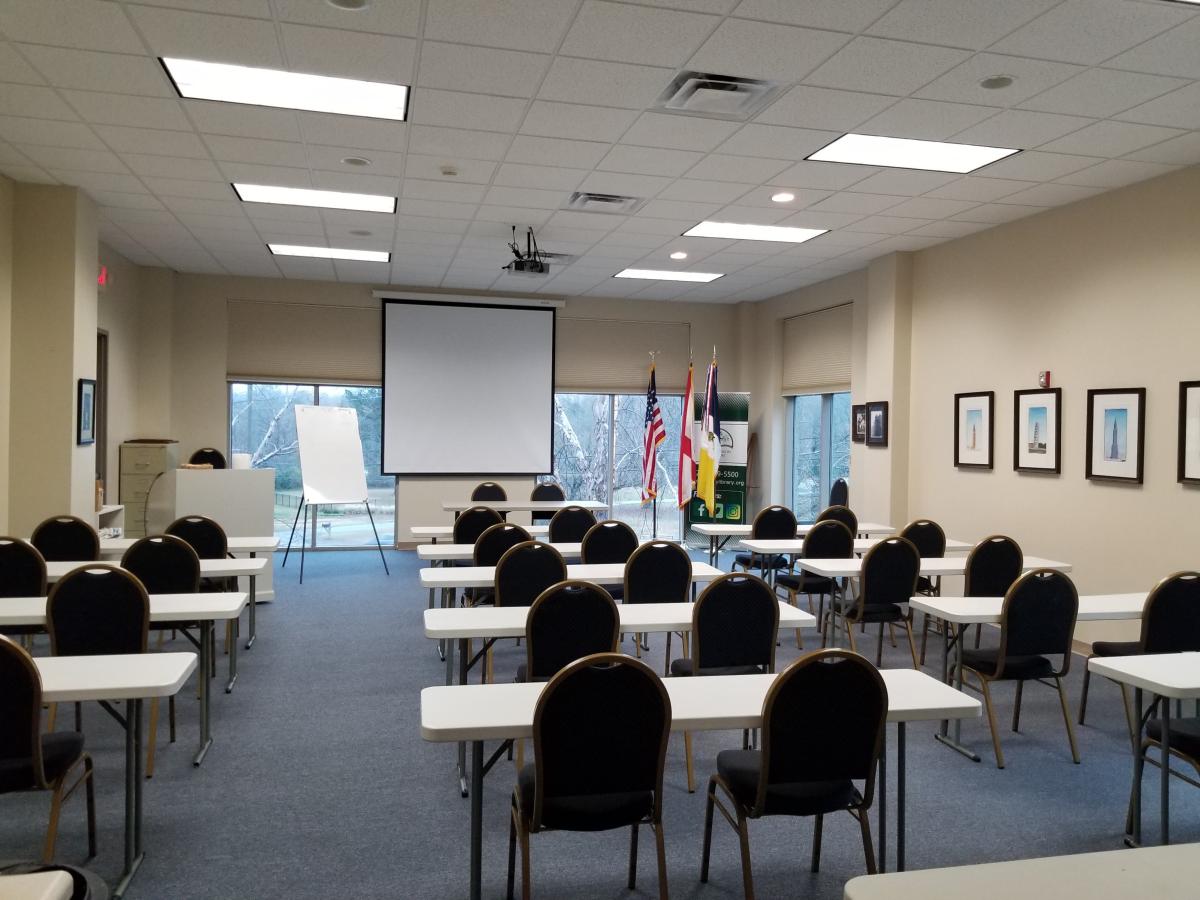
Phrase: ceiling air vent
[719,96]
[586,201]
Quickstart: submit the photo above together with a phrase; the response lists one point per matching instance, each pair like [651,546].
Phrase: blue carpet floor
[319,785]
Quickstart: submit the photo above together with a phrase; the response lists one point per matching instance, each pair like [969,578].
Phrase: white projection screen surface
[467,389]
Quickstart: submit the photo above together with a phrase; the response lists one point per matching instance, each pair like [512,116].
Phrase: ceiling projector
[532,261]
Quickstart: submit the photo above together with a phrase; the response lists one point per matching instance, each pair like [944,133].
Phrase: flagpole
[654,502]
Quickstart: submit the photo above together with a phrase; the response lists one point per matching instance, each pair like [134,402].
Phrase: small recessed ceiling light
[355,161]
[783,197]
[905,153]
[197,80]
[734,231]
[668,275]
[678,254]
[352,5]
[996,82]
[330,253]
[264,193]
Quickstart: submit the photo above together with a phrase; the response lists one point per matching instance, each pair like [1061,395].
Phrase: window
[262,422]
[820,449]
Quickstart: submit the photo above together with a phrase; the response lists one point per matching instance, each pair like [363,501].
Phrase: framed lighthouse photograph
[1116,434]
[1037,423]
[973,419]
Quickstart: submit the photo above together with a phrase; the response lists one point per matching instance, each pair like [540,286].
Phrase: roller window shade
[612,356]
[292,341]
[816,349]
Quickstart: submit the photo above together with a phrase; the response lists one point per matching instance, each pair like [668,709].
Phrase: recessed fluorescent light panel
[736,232]
[905,153]
[265,193]
[669,275]
[330,253]
[197,80]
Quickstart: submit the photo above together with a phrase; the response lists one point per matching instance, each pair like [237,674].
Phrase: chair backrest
[20,711]
[210,456]
[734,623]
[927,536]
[164,564]
[568,621]
[570,524]
[992,566]
[97,609]
[66,539]
[600,727]
[839,493]
[524,571]
[1038,617]
[203,534]
[775,523]
[828,540]
[489,490]
[496,541]
[547,490]
[658,572]
[609,542]
[823,720]
[889,574]
[1171,616]
[842,514]
[473,522]
[22,569]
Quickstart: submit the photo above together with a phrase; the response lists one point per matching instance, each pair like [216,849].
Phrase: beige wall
[6,235]
[119,314]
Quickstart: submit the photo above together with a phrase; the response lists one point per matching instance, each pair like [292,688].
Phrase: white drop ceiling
[530,100]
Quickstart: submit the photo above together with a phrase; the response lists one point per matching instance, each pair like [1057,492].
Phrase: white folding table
[502,712]
[133,679]
[598,573]
[56,885]
[542,506]
[465,552]
[719,534]
[930,566]
[248,545]
[434,533]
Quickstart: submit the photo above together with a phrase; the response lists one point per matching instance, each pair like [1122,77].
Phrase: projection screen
[468,389]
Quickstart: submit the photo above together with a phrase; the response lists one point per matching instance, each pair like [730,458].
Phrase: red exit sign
[102,278]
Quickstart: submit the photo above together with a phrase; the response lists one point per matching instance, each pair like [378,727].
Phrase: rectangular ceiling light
[736,232]
[669,275]
[287,196]
[906,153]
[196,80]
[330,253]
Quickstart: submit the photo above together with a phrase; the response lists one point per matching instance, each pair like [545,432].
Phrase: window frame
[825,442]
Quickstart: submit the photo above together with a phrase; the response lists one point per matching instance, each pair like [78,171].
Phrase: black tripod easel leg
[304,541]
[293,534]
[367,504]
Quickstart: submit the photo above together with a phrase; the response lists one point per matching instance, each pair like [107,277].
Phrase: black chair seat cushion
[683,667]
[1117,648]
[60,750]
[479,596]
[805,584]
[523,674]
[874,612]
[586,812]
[616,591]
[924,585]
[1185,735]
[755,561]
[1015,667]
[740,769]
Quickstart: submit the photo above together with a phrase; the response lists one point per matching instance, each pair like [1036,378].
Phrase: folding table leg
[476,819]
[206,629]
[882,864]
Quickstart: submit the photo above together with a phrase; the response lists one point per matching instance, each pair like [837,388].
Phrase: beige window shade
[816,349]
[613,356]
[293,341]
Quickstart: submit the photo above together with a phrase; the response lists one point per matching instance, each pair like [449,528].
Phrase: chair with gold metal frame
[839,493]
[992,566]
[471,523]
[658,572]
[930,540]
[609,542]
[66,539]
[495,541]
[822,730]
[1036,621]
[22,574]
[522,573]
[32,761]
[547,490]
[773,523]
[570,524]
[600,731]
[488,490]
[825,540]
[842,514]
[568,620]
[887,581]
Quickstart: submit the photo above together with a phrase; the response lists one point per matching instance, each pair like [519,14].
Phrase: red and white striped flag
[687,462]
[655,434]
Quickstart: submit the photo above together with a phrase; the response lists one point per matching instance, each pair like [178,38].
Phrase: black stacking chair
[568,621]
[600,731]
[522,573]
[775,523]
[570,524]
[842,514]
[208,456]
[839,493]
[823,721]
[495,541]
[32,761]
[609,542]
[1170,624]
[658,572]
[1037,620]
[886,584]
[489,490]
[825,540]
[22,574]
[208,539]
[734,625]
[66,539]
[473,522]
[547,490]
[993,565]
[930,540]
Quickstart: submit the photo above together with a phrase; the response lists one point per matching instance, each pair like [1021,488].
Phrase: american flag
[656,433]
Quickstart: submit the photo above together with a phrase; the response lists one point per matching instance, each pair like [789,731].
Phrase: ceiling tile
[1111,139]
[813,107]
[69,158]
[453,108]
[853,202]
[99,181]
[470,170]
[904,182]
[344,131]
[571,120]
[885,67]
[704,191]
[171,167]
[678,132]
[949,229]
[115,72]
[392,17]
[548,177]
[356,182]
[627,183]
[120,200]
[807,218]
[1020,129]
[150,140]
[974,24]
[635,34]
[201,213]
[522,217]
[1033,165]
[1052,194]
[541,151]
[1172,53]
[678,209]
[1183,151]
[930,208]
[1180,108]
[978,189]
[1116,173]
[777,141]
[253,150]
[34,101]
[349,54]
[13,67]
[762,50]
[761,196]
[48,132]
[824,175]
[649,161]
[523,197]
[536,25]
[749,215]
[1101,92]
[451,142]
[835,14]
[240,120]
[181,187]
[121,109]
[743,169]
[926,120]
[330,159]
[996,213]
[1030,76]
[85,24]
[604,83]
[438,208]
[455,67]
[253,173]
[1090,31]
[298,267]
[247,42]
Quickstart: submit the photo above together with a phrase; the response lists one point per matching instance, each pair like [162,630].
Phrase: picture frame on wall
[85,412]
[877,424]
[858,423]
[1037,425]
[1189,432]
[1116,434]
[974,421]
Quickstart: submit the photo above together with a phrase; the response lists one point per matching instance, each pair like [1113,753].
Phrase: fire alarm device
[1044,379]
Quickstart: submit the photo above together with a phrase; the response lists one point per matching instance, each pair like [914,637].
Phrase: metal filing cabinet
[141,464]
